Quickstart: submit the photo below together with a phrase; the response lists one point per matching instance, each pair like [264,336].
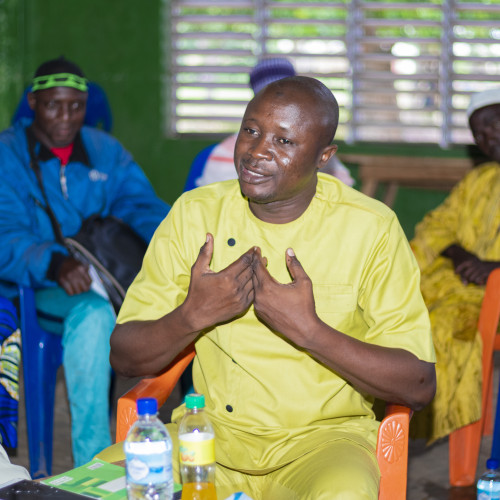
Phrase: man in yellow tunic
[303,303]
[457,245]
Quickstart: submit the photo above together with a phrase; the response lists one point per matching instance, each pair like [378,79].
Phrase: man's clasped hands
[221,296]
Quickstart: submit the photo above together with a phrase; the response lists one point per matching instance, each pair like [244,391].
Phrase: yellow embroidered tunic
[271,402]
[470,217]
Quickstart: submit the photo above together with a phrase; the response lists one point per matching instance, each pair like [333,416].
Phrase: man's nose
[65,112]
[262,148]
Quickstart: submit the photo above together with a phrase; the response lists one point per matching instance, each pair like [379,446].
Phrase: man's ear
[31,100]
[327,153]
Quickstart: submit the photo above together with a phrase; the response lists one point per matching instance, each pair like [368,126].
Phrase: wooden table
[409,171]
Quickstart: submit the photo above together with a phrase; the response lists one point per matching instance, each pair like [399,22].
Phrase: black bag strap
[38,173]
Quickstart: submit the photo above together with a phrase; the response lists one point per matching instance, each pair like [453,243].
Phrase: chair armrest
[159,387]
[392,452]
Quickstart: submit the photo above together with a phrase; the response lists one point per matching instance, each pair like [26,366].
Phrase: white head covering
[482,99]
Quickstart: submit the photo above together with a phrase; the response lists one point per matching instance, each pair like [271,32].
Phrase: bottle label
[486,495]
[488,490]
[197,448]
[148,463]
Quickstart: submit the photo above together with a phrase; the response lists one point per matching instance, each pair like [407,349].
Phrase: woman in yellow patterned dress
[457,245]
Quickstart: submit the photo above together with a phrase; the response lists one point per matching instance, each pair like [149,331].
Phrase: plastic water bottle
[148,454]
[197,451]
[488,485]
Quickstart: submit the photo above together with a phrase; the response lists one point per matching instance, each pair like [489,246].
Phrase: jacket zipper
[63,181]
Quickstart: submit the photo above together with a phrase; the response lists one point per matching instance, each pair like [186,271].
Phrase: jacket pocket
[337,298]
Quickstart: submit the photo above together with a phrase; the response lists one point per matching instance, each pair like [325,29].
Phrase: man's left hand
[286,308]
[476,271]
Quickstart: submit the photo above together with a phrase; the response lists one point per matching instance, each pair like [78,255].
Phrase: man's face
[279,148]
[485,126]
[59,114]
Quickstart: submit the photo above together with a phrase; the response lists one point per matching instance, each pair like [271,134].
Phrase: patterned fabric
[470,217]
[10,357]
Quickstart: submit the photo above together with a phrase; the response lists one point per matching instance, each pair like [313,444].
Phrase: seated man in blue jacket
[84,171]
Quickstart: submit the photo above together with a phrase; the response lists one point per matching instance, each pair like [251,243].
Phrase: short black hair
[59,65]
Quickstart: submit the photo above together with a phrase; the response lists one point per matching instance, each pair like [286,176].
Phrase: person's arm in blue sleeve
[134,199]
[25,257]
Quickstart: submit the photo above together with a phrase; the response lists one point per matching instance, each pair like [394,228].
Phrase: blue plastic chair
[41,358]
[491,306]
[197,167]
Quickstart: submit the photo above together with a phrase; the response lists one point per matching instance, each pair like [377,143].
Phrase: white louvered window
[401,71]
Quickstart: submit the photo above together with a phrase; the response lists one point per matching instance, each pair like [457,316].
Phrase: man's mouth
[64,130]
[250,176]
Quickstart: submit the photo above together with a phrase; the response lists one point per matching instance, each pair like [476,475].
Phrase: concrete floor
[427,470]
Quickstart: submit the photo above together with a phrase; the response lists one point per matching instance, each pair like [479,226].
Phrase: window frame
[450,92]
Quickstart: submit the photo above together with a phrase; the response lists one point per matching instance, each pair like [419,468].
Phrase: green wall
[118,44]
[11,50]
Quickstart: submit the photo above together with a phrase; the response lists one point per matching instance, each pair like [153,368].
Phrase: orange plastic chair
[465,443]
[392,441]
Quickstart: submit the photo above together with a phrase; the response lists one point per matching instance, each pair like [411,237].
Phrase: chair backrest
[465,442]
[98,112]
[41,356]
[197,166]
[392,440]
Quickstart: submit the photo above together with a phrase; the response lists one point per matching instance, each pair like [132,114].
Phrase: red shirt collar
[63,153]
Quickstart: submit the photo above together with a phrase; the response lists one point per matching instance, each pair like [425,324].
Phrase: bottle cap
[147,406]
[195,401]
[492,463]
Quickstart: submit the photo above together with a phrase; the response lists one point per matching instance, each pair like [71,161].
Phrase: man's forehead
[486,114]
[290,106]
[287,102]
[60,93]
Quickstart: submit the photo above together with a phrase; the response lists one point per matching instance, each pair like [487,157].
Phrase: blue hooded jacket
[100,178]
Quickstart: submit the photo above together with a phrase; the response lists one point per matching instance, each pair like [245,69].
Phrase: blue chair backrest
[197,167]
[98,110]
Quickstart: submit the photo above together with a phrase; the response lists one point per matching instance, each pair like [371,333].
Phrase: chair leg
[464,445]
[41,358]
[40,374]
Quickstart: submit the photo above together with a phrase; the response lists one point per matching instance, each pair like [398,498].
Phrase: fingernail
[290,252]
[206,240]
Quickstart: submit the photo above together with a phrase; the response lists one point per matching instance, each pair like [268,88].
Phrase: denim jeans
[85,322]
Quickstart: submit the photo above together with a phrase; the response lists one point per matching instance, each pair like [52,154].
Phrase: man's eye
[495,125]
[76,105]
[284,141]
[51,105]
[249,130]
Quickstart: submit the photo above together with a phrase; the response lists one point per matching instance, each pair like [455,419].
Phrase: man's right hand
[74,276]
[217,297]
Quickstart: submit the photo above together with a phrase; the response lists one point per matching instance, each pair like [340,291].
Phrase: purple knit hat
[270,70]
